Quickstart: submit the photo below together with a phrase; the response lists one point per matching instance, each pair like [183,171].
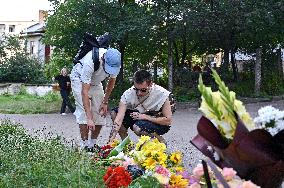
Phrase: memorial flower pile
[147,158]
[148,164]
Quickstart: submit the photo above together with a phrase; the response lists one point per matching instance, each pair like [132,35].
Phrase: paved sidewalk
[178,138]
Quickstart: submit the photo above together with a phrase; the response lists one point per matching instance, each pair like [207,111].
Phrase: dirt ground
[178,138]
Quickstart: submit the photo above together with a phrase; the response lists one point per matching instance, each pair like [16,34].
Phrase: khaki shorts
[96,95]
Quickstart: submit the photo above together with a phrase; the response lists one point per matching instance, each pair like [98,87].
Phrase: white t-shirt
[76,72]
[152,102]
[87,73]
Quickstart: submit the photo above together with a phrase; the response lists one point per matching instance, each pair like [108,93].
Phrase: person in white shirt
[90,100]
[145,108]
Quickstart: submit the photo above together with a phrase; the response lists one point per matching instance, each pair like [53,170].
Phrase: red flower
[105,150]
[117,177]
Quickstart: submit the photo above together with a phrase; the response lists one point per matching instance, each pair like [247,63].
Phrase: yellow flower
[176,157]
[150,163]
[161,158]
[178,182]
[114,143]
[142,140]
[179,169]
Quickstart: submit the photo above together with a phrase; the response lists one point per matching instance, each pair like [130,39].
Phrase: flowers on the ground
[219,106]
[149,164]
[229,175]
[117,177]
[270,119]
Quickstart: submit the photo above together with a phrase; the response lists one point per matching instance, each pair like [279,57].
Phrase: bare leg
[122,131]
[84,131]
[96,132]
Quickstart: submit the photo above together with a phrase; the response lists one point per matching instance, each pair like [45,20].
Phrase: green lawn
[30,104]
[28,161]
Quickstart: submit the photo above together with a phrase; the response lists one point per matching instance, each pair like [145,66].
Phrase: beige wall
[19,26]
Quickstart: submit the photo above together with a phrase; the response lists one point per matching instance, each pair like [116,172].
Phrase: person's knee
[122,130]
[113,115]
[137,130]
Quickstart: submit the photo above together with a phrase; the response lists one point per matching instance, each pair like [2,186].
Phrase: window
[32,46]
[11,28]
[2,28]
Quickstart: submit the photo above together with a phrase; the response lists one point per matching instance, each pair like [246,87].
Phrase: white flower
[271,119]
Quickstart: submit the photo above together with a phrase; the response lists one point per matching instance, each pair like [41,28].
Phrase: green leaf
[120,147]
[145,182]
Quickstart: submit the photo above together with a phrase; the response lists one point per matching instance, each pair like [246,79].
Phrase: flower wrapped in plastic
[227,135]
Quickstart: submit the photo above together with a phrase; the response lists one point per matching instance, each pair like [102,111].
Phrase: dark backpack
[92,43]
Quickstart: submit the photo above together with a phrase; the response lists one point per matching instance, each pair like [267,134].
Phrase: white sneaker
[63,114]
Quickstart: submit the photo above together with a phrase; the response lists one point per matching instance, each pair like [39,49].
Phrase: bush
[183,94]
[272,84]
[20,68]
[57,62]
[44,161]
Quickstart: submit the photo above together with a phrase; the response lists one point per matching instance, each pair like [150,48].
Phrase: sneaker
[96,148]
[63,114]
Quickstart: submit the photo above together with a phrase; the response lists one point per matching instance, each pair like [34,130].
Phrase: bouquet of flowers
[148,164]
[228,135]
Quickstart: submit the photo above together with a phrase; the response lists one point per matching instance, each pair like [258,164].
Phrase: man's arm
[165,120]
[108,90]
[117,123]
[86,103]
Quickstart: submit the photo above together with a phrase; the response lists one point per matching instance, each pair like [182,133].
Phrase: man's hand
[114,130]
[139,116]
[91,125]
[103,110]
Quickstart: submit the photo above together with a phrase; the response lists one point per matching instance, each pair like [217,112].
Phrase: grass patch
[28,161]
[30,104]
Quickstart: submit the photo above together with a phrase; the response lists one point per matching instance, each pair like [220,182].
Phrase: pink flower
[127,161]
[198,171]
[228,173]
[248,184]
[162,170]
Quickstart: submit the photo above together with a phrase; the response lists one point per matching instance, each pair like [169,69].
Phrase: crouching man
[144,108]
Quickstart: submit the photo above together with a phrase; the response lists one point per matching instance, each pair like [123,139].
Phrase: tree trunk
[226,60]
[120,75]
[170,62]
[155,71]
[184,49]
[257,71]
[176,54]
[234,66]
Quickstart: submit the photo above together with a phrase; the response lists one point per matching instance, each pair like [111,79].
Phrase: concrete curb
[245,100]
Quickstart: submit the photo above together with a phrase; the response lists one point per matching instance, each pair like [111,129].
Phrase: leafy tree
[11,43]
[71,19]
